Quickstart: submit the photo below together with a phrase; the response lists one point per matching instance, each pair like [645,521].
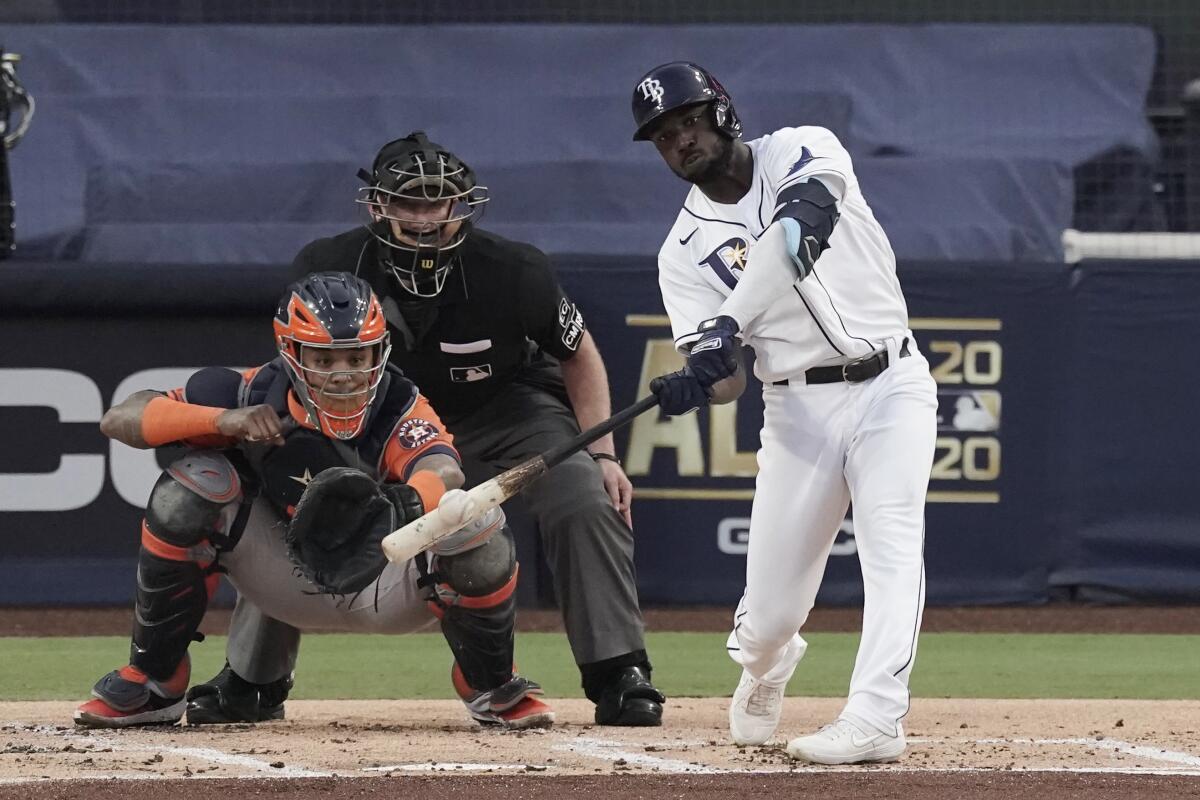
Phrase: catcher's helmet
[410,174]
[333,311]
[679,84]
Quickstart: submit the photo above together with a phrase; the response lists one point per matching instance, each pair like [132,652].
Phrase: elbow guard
[807,211]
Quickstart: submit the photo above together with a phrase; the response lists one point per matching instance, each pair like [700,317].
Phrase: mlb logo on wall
[478,372]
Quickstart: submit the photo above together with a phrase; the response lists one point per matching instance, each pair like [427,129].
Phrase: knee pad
[474,600]
[487,571]
[195,497]
[472,535]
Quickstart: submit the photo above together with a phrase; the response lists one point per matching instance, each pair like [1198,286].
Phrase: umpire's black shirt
[500,297]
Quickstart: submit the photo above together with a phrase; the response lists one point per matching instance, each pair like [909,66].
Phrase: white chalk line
[595,748]
[1116,745]
[209,754]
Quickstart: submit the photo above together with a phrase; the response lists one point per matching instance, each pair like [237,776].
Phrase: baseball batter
[330,401]
[776,248]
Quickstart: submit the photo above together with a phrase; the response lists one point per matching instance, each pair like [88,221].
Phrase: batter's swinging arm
[421,534]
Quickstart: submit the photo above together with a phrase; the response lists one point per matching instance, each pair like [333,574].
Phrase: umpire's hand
[620,490]
[679,392]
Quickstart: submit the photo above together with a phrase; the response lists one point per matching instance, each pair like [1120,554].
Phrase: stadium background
[181,152]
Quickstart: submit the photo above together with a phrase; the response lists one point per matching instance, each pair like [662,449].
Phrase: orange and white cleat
[513,706]
[128,697]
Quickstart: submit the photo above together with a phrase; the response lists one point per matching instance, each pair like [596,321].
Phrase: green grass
[691,664]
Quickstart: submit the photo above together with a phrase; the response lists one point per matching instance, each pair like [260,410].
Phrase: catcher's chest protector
[284,471]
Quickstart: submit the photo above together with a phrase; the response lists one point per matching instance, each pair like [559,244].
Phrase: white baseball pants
[824,446]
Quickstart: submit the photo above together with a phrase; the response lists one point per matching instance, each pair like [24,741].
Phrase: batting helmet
[406,175]
[332,311]
[679,84]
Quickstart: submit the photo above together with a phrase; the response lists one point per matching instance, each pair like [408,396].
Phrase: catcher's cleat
[127,697]
[513,706]
[631,700]
[228,697]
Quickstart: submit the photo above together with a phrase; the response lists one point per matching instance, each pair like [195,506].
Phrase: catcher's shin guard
[194,502]
[473,598]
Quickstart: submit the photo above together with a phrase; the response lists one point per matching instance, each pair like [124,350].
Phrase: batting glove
[679,392]
[714,356]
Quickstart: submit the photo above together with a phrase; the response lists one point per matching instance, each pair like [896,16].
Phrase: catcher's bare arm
[148,419]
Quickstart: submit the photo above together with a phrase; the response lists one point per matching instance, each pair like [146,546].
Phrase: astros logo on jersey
[415,432]
[652,89]
[728,260]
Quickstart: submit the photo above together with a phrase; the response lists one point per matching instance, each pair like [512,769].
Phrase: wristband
[429,486]
[606,457]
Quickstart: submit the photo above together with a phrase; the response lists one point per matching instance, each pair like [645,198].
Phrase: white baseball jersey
[848,306]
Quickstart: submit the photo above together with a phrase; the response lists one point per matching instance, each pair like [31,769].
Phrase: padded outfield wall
[1065,464]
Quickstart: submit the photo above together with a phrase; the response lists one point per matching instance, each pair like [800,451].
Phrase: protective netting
[1153,188]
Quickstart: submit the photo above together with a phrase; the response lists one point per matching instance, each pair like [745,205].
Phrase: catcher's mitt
[341,518]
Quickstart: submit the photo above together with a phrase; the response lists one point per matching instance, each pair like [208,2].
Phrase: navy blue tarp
[242,142]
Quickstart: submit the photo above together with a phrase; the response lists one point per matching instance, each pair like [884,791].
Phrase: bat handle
[568,449]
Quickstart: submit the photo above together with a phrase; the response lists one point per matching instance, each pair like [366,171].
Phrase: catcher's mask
[420,199]
[321,317]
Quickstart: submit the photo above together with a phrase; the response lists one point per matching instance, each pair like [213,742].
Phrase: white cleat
[754,711]
[843,742]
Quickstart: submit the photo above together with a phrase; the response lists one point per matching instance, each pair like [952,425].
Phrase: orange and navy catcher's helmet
[333,311]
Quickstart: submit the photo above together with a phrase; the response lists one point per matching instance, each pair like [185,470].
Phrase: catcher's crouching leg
[195,501]
[474,576]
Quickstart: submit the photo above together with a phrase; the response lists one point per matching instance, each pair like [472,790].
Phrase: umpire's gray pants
[587,544]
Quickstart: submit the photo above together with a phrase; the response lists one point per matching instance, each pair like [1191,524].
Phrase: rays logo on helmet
[652,89]
[415,432]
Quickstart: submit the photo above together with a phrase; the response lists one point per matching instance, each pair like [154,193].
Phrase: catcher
[295,472]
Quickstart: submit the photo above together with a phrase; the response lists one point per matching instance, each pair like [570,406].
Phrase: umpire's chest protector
[285,471]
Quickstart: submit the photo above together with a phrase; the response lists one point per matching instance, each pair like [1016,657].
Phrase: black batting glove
[679,392]
[714,356]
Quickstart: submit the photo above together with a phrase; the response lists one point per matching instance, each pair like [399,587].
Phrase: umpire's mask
[420,199]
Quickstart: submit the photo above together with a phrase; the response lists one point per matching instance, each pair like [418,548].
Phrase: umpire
[482,326]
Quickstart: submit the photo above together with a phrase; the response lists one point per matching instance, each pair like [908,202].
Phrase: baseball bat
[421,534]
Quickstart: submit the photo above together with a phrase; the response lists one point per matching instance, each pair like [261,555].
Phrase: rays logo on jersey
[728,260]
[806,157]
[415,432]
[652,89]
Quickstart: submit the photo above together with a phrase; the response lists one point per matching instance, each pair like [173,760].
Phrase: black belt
[856,371]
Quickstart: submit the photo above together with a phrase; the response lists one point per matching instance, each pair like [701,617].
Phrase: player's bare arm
[149,419]
[587,385]
[444,466]
[123,422]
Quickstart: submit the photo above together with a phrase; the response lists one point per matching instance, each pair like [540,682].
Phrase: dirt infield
[331,750]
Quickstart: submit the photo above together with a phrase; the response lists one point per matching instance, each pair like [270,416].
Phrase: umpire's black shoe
[230,698]
[630,699]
